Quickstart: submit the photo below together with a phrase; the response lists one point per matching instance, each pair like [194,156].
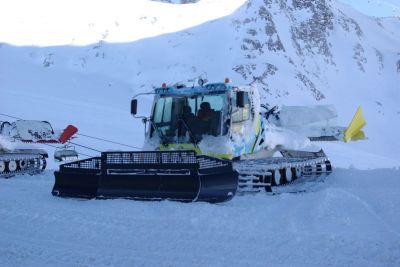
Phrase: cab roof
[210,88]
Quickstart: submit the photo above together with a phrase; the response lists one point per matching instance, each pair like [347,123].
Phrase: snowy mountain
[296,53]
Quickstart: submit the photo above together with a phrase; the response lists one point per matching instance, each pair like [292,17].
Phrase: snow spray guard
[155,175]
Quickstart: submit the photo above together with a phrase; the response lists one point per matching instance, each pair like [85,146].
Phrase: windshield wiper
[192,137]
[160,133]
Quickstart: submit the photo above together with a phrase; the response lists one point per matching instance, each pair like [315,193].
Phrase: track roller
[297,172]
[289,175]
[328,166]
[12,165]
[277,177]
[284,176]
[23,163]
[41,163]
[2,166]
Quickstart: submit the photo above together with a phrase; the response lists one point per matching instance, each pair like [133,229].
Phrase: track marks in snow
[367,207]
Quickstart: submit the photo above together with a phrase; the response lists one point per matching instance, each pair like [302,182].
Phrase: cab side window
[241,114]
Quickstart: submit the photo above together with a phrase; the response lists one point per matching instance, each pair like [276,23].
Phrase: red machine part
[67,134]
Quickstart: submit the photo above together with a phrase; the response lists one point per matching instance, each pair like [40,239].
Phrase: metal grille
[131,157]
[207,162]
[91,164]
[170,157]
[179,157]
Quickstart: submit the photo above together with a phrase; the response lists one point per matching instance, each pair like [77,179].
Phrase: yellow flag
[353,132]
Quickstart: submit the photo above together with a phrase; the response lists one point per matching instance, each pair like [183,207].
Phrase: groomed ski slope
[343,220]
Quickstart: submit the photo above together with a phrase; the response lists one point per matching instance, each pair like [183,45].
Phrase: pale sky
[378,8]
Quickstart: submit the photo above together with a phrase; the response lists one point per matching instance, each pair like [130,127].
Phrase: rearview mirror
[134,106]
[240,99]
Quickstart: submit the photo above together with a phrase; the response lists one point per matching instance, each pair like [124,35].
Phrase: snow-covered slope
[296,52]
[377,8]
[347,220]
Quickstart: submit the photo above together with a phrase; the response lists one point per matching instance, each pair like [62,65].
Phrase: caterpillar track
[29,161]
[281,174]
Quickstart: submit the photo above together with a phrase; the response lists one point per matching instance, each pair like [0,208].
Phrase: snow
[377,8]
[216,144]
[350,218]
[295,116]
[288,139]
[7,143]
[32,131]
[122,21]
[80,63]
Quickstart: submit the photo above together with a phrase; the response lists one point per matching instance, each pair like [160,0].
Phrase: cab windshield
[182,119]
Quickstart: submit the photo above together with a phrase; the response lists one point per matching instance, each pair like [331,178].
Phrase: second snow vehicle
[16,158]
[205,143]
